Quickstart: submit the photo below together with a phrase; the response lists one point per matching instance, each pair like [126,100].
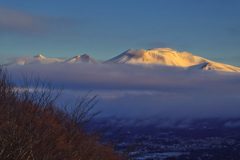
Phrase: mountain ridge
[39,59]
[169,57]
[80,59]
[155,56]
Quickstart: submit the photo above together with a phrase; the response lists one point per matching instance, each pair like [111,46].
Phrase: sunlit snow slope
[167,56]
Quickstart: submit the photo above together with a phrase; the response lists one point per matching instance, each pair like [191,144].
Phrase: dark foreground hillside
[32,127]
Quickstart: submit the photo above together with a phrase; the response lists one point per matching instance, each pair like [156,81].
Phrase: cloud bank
[146,91]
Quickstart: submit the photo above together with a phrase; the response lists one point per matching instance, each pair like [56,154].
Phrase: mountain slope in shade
[80,59]
[38,59]
[167,56]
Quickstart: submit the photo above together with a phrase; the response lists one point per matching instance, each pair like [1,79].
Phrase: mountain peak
[39,56]
[83,58]
[161,49]
[163,56]
[169,57]
[77,57]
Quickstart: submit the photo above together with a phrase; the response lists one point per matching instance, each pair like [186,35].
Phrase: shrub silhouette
[33,128]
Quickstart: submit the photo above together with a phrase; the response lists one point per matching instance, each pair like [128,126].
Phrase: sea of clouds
[145,92]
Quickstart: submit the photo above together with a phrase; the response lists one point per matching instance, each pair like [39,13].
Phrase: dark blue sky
[106,28]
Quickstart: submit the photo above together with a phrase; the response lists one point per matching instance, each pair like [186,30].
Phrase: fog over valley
[135,91]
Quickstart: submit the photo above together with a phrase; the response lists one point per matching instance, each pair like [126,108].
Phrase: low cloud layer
[146,91]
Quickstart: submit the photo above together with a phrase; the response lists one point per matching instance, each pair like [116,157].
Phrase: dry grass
[33,128]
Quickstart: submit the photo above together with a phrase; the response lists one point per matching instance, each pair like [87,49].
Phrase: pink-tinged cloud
[13,18]
[17,21]
[14,21]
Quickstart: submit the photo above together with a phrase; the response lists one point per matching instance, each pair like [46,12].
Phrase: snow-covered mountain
[38,59]
[167,56]
[159,56]
[80,59]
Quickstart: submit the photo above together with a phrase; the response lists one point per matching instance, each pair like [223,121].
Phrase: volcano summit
[169,57]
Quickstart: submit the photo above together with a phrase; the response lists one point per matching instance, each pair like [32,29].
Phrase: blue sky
[106,28]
